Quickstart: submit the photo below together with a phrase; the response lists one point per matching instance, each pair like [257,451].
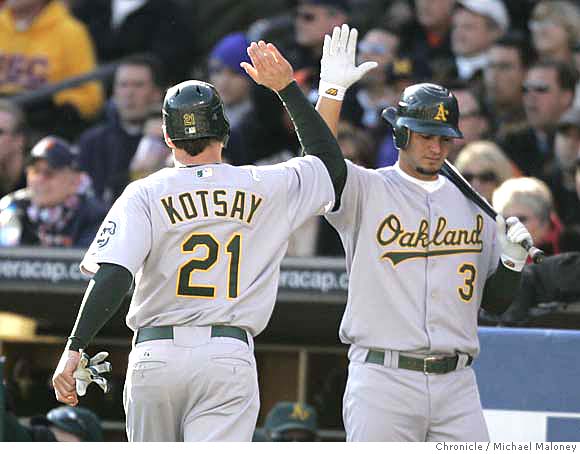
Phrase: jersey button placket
[428,268]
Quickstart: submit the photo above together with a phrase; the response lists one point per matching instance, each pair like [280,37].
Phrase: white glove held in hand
[513,255]
[338,69]
[90,370]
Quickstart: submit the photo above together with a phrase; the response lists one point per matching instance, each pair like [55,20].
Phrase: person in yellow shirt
[41,43]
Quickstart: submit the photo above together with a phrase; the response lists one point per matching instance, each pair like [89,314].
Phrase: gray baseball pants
[389,404]
[193,387]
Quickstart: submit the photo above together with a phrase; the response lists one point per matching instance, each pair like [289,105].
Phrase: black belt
[428,365]
[166,332]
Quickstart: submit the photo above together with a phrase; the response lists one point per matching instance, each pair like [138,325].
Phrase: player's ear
[168,141]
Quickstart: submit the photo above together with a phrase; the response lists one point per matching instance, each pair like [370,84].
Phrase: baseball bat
[457,179]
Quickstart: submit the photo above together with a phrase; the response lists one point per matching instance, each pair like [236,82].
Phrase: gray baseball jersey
[205,243]
[417,263]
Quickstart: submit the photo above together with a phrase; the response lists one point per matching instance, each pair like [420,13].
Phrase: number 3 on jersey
[466,290]
[212,246]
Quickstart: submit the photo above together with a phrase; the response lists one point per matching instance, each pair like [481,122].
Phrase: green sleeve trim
[315,136]
[102,300]
[500,290]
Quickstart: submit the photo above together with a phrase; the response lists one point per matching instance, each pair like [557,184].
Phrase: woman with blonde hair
[530,200]
[485,166]
[555,27]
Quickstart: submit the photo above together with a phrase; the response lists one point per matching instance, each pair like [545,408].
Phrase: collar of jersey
[199,165]
[429,186]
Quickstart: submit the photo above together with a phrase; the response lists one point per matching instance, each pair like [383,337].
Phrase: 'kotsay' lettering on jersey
[218,203]
[419,243]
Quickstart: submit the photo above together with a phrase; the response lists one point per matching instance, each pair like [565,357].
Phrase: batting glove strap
[89,371]
[338,70]
[513,255]
[330,90]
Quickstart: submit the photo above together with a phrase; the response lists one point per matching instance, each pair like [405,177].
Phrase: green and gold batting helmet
[426,109]
[194,110]
[78,421]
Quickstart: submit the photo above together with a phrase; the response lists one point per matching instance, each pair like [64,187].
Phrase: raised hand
[338,69]
[269,67]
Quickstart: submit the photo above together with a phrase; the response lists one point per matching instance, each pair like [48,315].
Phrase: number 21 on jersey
[186,272]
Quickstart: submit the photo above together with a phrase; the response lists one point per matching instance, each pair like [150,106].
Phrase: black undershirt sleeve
[102,299]
[315,136]
[500,290]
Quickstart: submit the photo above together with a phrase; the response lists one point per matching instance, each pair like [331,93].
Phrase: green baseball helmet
[79,421]
[286,416]
[426,109]
[194,110]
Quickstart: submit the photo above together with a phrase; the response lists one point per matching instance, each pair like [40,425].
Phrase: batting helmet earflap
[424,108]
[194,110]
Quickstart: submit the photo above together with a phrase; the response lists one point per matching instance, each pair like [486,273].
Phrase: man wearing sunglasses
[56,208]
[548,92]
[314,19]
[561,179]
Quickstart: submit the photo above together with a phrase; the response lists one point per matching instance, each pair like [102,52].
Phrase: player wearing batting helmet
[422,260]
[203,241]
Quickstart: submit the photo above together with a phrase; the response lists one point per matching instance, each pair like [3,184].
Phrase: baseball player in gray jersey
[422,259]
[204,242]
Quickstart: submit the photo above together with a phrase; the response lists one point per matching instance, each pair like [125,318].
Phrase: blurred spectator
[555,27]
[107,149]
[530,200]
[476,26]
[485,166]
[122,28]
[577,177]
[227,16]
[504,76]
[356,145]
[42,44]
[399,13]
[229,78]
[548,93]
[562,178]
[12,143]
[61,424]
[400,74]
[375,91]
[577,67]
[292,421]
[152,152]
[428,42]
[55,209]
[473,121]
[234,86]
[314,19]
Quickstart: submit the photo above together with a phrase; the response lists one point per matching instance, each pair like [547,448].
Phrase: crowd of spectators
[513,66]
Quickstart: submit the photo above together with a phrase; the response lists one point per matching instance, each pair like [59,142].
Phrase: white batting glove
[513,255]
[90,370]
[338,70]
